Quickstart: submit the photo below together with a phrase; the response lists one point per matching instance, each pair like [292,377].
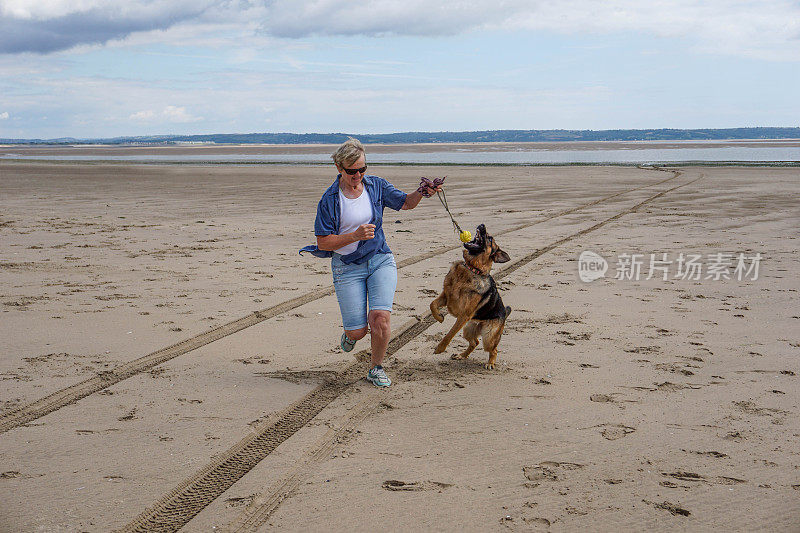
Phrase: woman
[349,229]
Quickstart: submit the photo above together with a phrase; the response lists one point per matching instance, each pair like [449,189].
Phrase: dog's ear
[500,256]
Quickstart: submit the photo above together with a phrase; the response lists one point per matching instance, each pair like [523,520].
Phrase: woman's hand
[364,232]
[428,188]
[333,242]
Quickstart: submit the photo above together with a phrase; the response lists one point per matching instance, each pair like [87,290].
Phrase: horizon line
[628,131]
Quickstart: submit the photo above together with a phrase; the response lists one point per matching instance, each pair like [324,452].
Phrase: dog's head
[482,251]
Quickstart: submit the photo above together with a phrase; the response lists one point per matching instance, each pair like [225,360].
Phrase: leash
[443,199]
[424,184]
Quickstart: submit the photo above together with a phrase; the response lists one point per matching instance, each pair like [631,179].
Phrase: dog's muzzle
[478,243]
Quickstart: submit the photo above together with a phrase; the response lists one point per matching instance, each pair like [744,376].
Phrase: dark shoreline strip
[649,164]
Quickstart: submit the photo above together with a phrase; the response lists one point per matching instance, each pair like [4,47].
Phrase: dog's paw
[438,318]
[458,356]
[489,366]
[439,349]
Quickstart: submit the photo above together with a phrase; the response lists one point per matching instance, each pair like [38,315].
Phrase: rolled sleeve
[392,196]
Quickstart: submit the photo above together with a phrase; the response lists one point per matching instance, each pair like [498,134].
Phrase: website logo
[591,266]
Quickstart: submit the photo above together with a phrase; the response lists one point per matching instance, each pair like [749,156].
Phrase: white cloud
[45,26]
[32,9]
[143,116]
[768,29]
[4,115]
[178,114]
[54,9]
[171,113]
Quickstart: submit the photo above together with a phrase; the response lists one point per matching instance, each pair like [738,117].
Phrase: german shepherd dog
[471,296]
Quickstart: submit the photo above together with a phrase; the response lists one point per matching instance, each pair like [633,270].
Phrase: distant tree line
[415,137]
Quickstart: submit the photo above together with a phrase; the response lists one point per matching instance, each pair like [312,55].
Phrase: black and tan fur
[471,296]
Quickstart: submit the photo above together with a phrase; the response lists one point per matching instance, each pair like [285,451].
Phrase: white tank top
[354,212]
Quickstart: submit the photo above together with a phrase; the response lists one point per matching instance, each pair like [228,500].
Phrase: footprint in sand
[677,367]
[569,338]
[671,507]
[715,454]
[240,501]
[699,478]
[734,436]
[751,408]
[609,398]
[537,522]
[131,415]
[669,387]
[547,471]
[643,349]
[601,398]
[560,319]
[614,431]
[413,486]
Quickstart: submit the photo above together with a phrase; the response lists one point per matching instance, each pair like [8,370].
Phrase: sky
[98,68]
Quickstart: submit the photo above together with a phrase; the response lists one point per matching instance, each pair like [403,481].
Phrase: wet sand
[616,404]
[284,149]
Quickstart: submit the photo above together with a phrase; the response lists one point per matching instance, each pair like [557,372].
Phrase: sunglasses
[352,171]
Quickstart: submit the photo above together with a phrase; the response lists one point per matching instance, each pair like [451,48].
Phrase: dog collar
[473,269]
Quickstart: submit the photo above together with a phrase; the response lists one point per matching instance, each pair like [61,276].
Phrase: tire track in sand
[73,393]
[180,505]
[261,508]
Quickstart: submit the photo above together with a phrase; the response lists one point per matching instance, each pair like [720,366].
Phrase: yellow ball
[465,236]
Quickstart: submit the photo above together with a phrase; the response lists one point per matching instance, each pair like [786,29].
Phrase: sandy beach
[170,361]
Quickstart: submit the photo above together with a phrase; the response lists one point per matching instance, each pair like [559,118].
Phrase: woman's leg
[381,285]
[351,293]
[381,331]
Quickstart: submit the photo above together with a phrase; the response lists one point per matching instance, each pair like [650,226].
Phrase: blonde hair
[348,153]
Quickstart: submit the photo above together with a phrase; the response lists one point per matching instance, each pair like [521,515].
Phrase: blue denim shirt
[381,194]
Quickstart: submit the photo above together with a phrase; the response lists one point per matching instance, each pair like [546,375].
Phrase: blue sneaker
[347,343]
[378,377]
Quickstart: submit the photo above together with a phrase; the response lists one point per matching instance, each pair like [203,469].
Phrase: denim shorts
[372,283]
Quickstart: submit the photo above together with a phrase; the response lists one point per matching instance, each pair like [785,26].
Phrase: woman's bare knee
[380,320]
[356,334]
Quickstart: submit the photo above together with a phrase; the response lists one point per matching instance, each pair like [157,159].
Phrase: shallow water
[469,155]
